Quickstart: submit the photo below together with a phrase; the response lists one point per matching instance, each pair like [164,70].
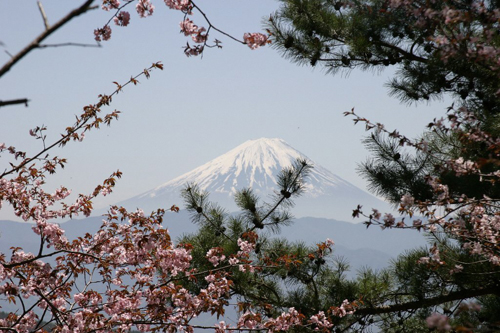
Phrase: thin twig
[44,16]
[215,28]
[41,46]
[76,127]
[36,42]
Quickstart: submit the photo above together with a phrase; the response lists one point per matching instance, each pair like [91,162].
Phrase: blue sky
[194,110]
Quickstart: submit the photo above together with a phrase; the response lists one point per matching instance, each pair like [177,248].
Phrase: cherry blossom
[129,274]
[144,8]
[215,256]
[122,19]
[255,40]
[102,33]
[439,322]
[182,5]
[198,34]
[108,5]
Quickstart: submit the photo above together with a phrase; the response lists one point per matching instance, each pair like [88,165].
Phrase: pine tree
[310,279]
[438,48]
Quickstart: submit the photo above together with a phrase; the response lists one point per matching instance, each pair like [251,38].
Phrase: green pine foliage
[370,35]
[342,36]
[396,299]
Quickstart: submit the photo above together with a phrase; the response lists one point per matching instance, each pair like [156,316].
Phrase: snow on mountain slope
[255,164]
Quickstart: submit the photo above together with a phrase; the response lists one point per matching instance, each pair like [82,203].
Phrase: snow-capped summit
[255,164]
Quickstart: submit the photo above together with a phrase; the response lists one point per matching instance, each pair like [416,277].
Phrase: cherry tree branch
[44,16]
[41,46]
[82,121]
[211,26]
[14,101]
[86,6]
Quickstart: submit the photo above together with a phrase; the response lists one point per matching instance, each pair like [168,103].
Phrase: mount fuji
[255,164]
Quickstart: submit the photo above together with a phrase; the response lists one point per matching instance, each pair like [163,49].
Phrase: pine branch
[414,305]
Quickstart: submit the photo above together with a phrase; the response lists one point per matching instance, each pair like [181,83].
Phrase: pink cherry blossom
[407,201]
[144,8]
[193,50]
[196,33]
[122,19]
[102,33]
[108,5]
[182,5]
[255,40]
[215,256]
[439,322]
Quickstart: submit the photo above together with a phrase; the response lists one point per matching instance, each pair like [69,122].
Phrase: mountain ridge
[255,164]
[373,246]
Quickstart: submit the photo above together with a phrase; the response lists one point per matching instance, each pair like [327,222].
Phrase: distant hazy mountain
[255,164]
[361,247]
[370,247]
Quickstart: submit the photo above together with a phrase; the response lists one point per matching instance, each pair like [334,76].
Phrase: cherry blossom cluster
[103,33]
[434,259]
[441,322]
[185,6]
[255,40]
[461,212]
[286,321]
[215,256]
[135,249]
[292,318]
[24,191]
[141,274]
[108,5]
[129,274]
[122,19]
[198,34]
[144,8]
[475,222]
[346,308]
